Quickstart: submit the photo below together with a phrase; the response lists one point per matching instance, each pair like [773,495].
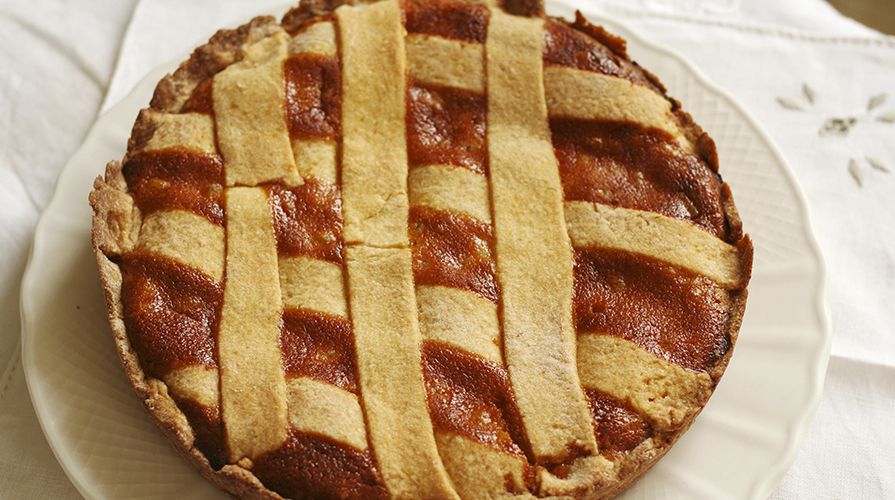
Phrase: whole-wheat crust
[117,221]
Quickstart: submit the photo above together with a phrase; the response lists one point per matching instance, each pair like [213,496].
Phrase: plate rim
[798,428]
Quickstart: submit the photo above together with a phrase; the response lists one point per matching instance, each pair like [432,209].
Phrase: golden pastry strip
[186,238]
[313,285]
[534,259]
[569,92]
[460,318]
[593,225]
[321,408]
[490,474]
[374,146]
[381,300]
[318,38]
[193,131]
[437,61]
[456,189]
[197,383]
[451,314]
[316,159]
[251,118]
[581,475]
[387,338]
[486,3]
[587,95]
[253,388]
[664,392]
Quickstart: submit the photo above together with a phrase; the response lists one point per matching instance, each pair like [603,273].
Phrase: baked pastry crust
[567,462]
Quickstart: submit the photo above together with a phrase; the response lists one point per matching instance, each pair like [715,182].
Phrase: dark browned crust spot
[703,144]
[526,8]
[615,44]
[294,20]
[142,132]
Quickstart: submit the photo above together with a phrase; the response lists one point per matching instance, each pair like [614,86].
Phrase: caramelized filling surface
[319,346]
[171,313]
[627,165]
[313,96]
[565,46]
[177,178]
[446,126]
[309,466]
[455,20]
[677,315]
[618,426]
[307,220]
[209,431]
[201,100]
[472,397]
[452,250]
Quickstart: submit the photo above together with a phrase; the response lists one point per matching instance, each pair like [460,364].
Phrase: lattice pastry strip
[451,188]
[378,261]
[186,238]
[321,408]
[527,200]
[249,110]
[253,386]
[570,93]
[316,337]
[450,224]
[443,62]
[663,391]
[593,225]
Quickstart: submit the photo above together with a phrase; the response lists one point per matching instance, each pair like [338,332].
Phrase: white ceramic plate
[739,448]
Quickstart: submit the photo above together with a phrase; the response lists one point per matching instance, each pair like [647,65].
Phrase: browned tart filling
[419,249]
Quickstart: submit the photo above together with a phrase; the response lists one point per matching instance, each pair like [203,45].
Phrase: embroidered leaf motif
[788,103]
[810,94]
[888,117]
[855,170]
[877,101]
[837,126]
[877,164]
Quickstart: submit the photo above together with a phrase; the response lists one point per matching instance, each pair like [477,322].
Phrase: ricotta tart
[419,249]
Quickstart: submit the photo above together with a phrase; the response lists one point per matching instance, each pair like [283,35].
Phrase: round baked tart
[419,249]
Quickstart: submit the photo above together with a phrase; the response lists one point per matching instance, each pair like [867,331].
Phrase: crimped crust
[117,223]
[221,51]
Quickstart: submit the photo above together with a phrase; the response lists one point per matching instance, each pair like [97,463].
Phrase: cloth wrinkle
[61,47]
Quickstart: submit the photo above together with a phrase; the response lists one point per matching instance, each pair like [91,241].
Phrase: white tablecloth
[62,63]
